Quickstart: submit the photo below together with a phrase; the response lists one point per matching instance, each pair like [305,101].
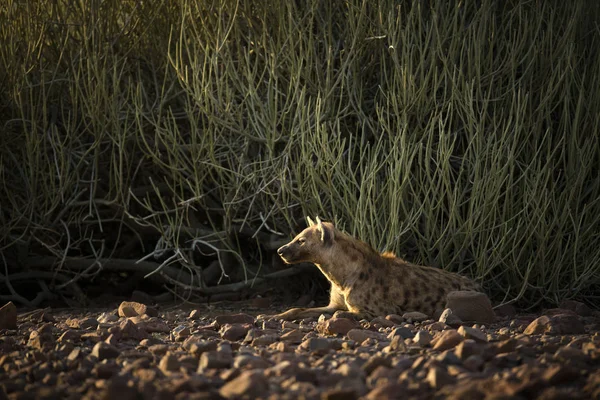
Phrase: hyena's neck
[346,259]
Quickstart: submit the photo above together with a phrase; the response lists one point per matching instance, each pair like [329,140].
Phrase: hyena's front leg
[336,302]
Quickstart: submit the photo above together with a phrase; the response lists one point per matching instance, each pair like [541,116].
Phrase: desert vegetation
[185,141]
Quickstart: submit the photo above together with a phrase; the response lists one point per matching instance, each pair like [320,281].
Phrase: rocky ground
[141,352]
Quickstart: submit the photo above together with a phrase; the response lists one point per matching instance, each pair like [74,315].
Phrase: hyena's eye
[301,241]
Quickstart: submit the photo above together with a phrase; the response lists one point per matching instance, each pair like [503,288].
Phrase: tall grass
[463,136]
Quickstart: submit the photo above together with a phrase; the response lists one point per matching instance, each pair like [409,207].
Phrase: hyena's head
[310,245]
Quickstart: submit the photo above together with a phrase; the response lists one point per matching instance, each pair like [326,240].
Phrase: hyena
[365,282]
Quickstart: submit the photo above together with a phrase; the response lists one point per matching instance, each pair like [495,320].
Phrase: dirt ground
[231,351]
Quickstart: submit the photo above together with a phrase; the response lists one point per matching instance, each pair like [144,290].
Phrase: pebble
[446,340]
[133,309]
[471,306]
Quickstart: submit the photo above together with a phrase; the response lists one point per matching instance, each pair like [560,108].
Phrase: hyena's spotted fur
[365,282]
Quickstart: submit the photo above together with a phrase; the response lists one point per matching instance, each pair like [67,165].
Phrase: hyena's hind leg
[336,302]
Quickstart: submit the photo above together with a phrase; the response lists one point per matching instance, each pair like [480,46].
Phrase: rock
[215,359]
[380,322]
[449,318]
[467,348]
[423,338]
[107,317]
[415,316]
[151,325]
[248,361]
[129,330]
[169,363]
[8,316]
[471,306]
[181,332]
[395,318]
[397,344]
[560,324]
[578,307]
[374,362]
[294,336]
[235,331]
[234,319]
[339,326]
[446,340]
[69,336]
[265,340]
[320,344]
[472,333]
[360,335]
[133,309]
[82,323]
[104,351]
[249,384]
[387,391]
[438,377]
[404,333]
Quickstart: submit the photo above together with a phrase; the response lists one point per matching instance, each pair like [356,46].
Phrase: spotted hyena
[365,282]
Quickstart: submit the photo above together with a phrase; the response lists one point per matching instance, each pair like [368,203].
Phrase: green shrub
[461,135]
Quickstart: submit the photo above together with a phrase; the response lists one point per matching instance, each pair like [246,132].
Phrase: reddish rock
[250,384]
[360,335]
[339,326]
[133,309]
[446,340]
[235,331]
[471,306]
[560,324]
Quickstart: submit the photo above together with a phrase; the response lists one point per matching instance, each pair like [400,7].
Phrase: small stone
[69,336]
[403,332]
[471,306]
[360,335]
[198,346]
[320,344]
[339,326]
[107,317]
[578,307]
[104,351]
[294,336]
[395,318]
[374,362]
[265,340]
[438,377]
[249,384]
[248,361]
[449,318]
[447,340]
[415,316]
[8,316]
[181,332]
[397,344]
[472,333]
[474,362]
[560,324]
[437,326]
[423,338]
[195,315]
[169,363]
[380,322]
[235,331]
[151,325]
[467,348]
[234,319]
[133,309]
[129,330]
[215,359]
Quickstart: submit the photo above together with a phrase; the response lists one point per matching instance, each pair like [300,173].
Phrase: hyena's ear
[310,221]
[326,232]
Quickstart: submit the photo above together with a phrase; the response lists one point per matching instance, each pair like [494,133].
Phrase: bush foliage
[462,135]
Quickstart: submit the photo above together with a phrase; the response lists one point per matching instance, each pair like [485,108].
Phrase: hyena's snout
[282,250]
